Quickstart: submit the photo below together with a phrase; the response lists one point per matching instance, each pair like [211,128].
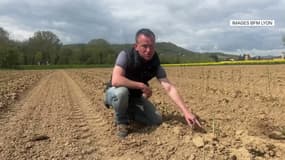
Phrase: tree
[99,51]
[65,56]
[99,42]
[48,44]
[4,36]
[12,58]
[39,57]
[9,57]
[214,57]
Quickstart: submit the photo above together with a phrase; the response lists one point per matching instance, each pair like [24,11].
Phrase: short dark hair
[145,31]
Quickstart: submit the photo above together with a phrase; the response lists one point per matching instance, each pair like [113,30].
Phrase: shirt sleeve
[122,60]
[160,73]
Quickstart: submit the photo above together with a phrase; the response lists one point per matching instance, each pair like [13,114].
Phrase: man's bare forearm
[173,93]
[123,81]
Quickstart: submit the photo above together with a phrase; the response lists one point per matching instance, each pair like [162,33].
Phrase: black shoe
[122,130]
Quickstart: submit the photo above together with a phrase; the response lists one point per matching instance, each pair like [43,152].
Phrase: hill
[171,53]
[168,52]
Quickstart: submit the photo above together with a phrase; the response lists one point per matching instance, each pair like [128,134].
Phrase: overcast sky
[196,25]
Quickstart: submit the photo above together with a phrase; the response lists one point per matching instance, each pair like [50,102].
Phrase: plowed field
[59,114]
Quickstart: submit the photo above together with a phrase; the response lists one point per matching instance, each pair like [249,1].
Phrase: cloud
[195,25]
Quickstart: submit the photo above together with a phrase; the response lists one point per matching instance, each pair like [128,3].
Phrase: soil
[59,114]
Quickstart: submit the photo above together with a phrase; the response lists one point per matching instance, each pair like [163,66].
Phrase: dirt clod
[198,141]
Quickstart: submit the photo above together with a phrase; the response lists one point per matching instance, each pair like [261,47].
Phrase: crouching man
[129,89]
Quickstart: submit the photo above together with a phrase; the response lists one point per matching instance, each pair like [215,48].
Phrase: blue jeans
[131,108]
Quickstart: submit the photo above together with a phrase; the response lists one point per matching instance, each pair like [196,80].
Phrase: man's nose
[148,49]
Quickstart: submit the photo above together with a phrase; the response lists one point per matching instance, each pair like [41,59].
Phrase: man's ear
[135,46]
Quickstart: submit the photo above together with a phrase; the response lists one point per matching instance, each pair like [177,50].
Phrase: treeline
[45,48]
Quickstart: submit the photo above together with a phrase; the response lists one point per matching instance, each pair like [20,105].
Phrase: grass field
[245,62]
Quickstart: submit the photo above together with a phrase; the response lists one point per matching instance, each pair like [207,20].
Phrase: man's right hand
[147,92]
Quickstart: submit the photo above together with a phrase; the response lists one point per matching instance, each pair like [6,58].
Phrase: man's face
[145,46]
